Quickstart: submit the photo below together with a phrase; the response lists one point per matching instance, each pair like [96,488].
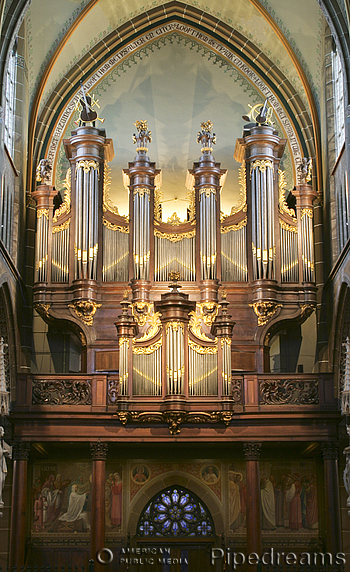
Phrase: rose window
[175,512]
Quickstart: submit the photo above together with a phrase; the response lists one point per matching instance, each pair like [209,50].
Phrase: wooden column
[99,454]
[19,500]
[332,500]
[252,456]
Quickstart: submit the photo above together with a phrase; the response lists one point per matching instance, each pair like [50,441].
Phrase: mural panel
[114,498]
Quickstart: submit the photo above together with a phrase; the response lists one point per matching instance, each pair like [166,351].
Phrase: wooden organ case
[179,355]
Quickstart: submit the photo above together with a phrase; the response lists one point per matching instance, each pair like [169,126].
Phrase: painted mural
[289,500]
[61,498]
[237,497]
[114,498]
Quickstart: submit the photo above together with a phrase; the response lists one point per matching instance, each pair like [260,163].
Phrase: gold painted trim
[174,326]
[262,165]
[141,191]
[123,341]
[108,205]
[85,310]
[147,349]
[307,212]
[87,165]
[242,182]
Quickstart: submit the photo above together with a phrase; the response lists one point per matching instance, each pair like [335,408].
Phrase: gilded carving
[262,165]
[61,392]
[288,227]
[175,237]
[208,312]
[147,349]
[174,326]
[115,227]
[158,196]
[141,191]
[61,227]
[307,212]
[174,419]
[287,391]
[65,206]
[85,310]
[242,181]
[203,350]
[174,220]
[146,317]
[195,327]
[42,309]
[43,171]
[207,191]
[123,341]
[234,227]
[265,311]
[108,204]
[113,391]
[87,165]
[42,212]
[282,187]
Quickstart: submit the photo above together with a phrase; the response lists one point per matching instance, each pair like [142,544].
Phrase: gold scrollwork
[207,191]
[288,227]
[234,227]
[42,212]
[174,419]
[147,349]
[191,197]
[174,326]
[158,196]
[195,327]
[226,341]
[42,309]
[86,165]
[282,187]
[174,220]
[61,227]
[175,237]
[203,350]
[265,311]
[242,181]
[65,206]
[141,191]
[123,341]
[115,227]
[208,312]
[85,310]
[307,212]
[262,165]
[145,316]
[108,204]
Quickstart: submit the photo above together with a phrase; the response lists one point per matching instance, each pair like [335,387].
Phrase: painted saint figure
[116,502]
[268,514]
[75,510]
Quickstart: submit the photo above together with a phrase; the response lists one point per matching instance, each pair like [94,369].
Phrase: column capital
[20,451]
[252,451]
[330,450]
[98,451]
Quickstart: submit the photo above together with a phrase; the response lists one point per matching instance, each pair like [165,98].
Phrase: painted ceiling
[175,87]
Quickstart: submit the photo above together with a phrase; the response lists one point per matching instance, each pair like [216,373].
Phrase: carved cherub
[43,171]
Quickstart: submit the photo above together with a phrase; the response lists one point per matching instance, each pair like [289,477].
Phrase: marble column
[252,455]
[19,499]
[332,500]
[99,455]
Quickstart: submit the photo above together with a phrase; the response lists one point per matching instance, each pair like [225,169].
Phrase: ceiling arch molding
[206,24]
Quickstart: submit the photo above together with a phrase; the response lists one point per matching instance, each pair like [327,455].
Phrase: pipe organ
[176,346]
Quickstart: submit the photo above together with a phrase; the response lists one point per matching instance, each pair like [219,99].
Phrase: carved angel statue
[305,169]
[43,171]
[5,451]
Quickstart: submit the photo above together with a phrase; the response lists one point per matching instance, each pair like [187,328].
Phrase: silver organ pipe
[124,345]
[115,252]
[175,357]
[307,245]
[42,245]
[86,221]
[226,365]
[147,368]
[176,253]
[202,369]
[208,248]
[141,234]
[234,252]
[263,234]
[289,252]
[60,253]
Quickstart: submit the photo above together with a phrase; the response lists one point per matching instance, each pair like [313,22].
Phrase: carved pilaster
[252,451]
[20,451]
[330,451]
[99,451]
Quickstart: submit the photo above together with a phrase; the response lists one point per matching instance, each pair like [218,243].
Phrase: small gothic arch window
[338,94]
[175,512]
[10,94]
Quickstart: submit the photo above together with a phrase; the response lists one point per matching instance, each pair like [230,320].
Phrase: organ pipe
[115,253]
[234,252]
[175,357]
[263,234]
[42,245]
[307,245]
[208,246]
[289,252]
[177,255]
[60,252]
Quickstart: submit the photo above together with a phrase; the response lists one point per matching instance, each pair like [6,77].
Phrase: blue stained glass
[175,512]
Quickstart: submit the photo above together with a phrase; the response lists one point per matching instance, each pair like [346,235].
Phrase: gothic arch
[180,479]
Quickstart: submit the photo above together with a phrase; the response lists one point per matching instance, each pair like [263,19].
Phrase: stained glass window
[175,512]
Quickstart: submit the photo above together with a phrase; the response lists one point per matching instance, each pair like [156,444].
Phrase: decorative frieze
[174,419]
[288,392]
[61,392]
